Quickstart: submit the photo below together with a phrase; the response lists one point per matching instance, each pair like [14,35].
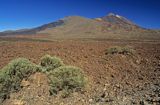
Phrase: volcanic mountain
[111,26]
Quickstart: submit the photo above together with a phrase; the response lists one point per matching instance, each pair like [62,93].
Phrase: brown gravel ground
[113,79]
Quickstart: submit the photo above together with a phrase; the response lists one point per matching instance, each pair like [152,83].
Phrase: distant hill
[111,26]
[33,30]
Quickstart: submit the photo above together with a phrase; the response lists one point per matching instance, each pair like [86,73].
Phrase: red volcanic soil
[113,79]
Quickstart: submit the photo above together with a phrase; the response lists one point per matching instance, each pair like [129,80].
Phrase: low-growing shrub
[12,75]
[127,50]
[119,50]
[114,50]
[49,63]
[66,79]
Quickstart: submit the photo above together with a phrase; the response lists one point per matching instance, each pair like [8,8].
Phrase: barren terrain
[113,79]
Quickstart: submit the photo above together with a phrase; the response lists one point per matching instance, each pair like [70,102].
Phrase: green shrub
[66,79]
[127,50]
[62,78]
[12,75]
[120,50]
[49,63]
[114,50]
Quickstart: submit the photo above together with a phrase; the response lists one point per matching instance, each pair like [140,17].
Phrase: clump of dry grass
[66,79]
[12,75]
[120,50]
[50,63]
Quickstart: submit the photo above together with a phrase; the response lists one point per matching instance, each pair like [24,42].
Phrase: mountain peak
[117,19]
[114,15]
[111,14]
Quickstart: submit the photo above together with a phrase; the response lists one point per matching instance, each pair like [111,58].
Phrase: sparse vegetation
[128,50]
[120,50]
[62,78]
[114,50]
[108,74]
[12,75]
[49,63]
[66,79]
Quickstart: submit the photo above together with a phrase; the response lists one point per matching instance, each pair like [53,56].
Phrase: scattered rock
[18,102]
[25,83]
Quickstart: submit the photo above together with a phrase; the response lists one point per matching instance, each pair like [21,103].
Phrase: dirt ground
[113,79]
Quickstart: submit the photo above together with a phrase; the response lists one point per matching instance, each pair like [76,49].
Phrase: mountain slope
[111,26]
[108,27]
[75,27]
[33,30]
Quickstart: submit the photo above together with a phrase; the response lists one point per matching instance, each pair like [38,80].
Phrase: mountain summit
[119,20]
[110,17]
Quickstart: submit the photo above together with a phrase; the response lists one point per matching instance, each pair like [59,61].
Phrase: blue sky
[17,14]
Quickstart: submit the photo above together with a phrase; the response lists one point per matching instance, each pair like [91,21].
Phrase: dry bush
[120,50]
[49,63]
[66,79]
[12,75]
